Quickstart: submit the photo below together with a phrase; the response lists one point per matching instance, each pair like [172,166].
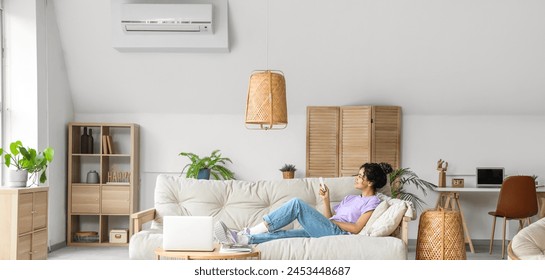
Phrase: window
[1,82]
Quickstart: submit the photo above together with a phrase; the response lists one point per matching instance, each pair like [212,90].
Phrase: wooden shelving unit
[107,204]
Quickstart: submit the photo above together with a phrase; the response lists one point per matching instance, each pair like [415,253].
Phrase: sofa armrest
[142,217]
[404,234]
[510,252]
[402,231]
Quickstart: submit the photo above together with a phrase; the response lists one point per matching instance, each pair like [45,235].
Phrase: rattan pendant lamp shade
[266,106]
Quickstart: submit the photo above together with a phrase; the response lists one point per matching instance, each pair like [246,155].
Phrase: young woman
[350,216]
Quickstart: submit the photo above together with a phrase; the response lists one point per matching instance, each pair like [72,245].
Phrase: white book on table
[235,248]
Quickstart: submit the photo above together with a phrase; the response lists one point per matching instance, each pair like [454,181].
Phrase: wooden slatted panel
[355,139]
[322,141]
[387,135]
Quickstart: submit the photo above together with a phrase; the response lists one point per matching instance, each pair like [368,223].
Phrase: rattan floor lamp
[440,236]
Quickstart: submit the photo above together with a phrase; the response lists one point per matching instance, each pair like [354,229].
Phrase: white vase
[16,178]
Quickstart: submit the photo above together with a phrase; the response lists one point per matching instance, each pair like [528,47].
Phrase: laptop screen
[188,233]
[489,177]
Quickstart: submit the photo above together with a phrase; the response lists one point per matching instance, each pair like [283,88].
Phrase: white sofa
[529,242]
[240,204]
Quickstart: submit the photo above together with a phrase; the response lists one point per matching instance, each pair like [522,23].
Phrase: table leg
[447,203]
[438,201]
[466,231]
[443,201]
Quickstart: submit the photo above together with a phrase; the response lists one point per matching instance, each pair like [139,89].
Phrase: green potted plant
[202,168]
[25,161]
[402,177]
[288,171]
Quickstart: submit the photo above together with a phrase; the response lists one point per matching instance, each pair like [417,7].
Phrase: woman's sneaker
[224,235]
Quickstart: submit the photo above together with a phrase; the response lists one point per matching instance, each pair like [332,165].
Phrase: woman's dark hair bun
[386,167]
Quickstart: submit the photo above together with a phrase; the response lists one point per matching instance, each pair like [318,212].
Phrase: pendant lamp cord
[267,35]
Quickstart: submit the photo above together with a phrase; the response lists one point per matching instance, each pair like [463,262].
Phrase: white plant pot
[16,178]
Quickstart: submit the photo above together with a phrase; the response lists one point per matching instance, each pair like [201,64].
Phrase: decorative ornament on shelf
[288,171]
[119,177]
[84,142]
[93,177]
[457,183]
[266,106]
[442,168]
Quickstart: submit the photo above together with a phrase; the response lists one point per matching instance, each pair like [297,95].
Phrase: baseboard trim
[57,246]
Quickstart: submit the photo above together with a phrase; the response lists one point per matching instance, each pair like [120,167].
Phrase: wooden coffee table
[214,255]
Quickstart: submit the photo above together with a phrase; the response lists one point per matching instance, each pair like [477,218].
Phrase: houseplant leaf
[402,177]
[214,162]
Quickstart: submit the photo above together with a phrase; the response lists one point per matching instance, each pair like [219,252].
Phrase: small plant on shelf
[202,168]
[288,171]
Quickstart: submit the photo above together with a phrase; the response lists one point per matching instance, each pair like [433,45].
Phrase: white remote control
[322,184]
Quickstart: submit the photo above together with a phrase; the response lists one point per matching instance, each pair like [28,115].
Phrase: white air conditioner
[187,18]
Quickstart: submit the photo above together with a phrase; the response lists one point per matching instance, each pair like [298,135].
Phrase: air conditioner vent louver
[195,18]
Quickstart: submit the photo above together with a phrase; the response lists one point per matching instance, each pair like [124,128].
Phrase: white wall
[57,110]
[466,142]
[428,56]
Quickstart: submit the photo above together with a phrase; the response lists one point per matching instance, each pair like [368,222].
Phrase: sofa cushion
[381,208]
[388,221]
[144,243]
[339,247]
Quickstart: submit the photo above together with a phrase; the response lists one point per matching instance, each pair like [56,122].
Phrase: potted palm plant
[288,171]
[202,168]
[402,177]
[24,161]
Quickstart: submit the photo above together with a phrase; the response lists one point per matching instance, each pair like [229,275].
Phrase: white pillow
[387,223]
[381,208]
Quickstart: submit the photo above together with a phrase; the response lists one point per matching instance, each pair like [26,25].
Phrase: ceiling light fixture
[266,106]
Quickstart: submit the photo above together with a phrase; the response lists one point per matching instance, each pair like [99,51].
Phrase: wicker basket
[440,236]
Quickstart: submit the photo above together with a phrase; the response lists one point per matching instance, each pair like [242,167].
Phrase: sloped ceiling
[430,57]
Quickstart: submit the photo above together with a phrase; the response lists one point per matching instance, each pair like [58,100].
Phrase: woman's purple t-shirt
[353,206]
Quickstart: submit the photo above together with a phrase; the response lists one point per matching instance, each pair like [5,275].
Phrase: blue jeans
[313,222]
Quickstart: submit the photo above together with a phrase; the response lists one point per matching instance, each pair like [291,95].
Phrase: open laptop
[489,177]
[188,233]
